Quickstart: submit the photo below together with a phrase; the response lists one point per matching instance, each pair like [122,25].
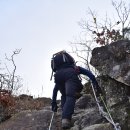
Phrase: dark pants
[68,83]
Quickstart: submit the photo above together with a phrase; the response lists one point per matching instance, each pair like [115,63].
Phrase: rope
[56,122]
[103,113]
[51,120]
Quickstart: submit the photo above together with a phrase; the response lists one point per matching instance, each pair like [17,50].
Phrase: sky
[40,28]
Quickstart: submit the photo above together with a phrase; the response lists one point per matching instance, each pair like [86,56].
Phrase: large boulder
[105,126]
[116,99]
[113,60]
[28,120]
[113,63]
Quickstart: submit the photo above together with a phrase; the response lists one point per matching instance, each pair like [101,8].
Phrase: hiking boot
[66,123]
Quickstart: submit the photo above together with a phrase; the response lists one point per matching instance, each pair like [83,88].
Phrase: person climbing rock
[69,84]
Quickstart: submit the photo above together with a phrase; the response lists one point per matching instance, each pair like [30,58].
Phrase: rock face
[113,63]
[28,120]
[113,60]
[86,117]
[117,100]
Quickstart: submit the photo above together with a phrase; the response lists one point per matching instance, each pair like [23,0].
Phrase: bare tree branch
[17,51]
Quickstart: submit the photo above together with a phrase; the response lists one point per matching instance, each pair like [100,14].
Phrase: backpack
[61,59]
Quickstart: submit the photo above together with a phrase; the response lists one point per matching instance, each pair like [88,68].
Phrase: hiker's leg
[63,100]
[69,105]
[63,95]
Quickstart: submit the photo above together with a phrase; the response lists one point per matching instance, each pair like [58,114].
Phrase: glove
[98,91]
[54,106]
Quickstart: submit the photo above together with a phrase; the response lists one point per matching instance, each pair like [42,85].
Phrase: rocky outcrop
[86,117]
[113,60]
[113,63]
[28,120]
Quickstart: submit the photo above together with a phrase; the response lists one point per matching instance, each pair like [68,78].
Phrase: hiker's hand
[54,106]
[98,91]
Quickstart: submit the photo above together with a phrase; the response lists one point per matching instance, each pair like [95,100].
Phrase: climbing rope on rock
[55,120]
[51,120]
[107,114]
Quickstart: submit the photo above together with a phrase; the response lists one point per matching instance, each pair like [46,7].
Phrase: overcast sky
[41,28]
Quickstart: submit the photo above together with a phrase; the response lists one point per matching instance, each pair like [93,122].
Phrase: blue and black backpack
[61,59]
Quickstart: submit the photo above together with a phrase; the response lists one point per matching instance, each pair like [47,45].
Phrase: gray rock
[113,63]
[115,92]
[86,101]
[29,120]
[87,117]
[113,60]
[105,126]
[76,127]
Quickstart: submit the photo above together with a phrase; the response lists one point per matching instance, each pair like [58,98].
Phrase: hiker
[69,84]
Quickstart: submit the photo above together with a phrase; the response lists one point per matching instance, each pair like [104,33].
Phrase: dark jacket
[70,73]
